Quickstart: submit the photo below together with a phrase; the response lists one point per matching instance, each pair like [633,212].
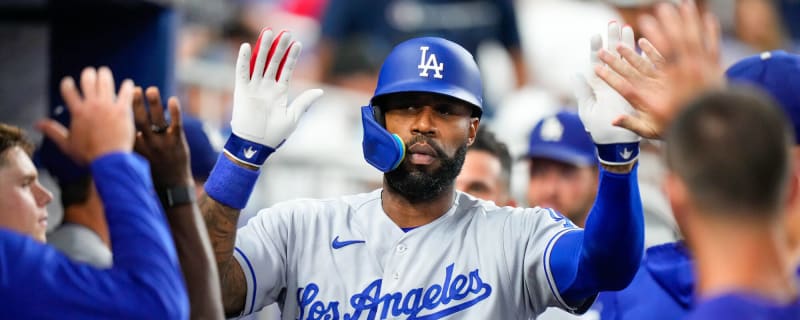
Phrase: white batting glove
[599,105]
[262,117]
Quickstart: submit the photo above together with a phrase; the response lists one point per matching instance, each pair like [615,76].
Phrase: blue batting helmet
[432,65]
[429,64]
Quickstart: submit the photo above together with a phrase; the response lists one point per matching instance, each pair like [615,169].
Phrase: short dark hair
[11,136]
[732,149]
[485,140]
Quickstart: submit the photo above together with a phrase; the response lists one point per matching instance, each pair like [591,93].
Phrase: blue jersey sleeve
[606,254]
[38,282]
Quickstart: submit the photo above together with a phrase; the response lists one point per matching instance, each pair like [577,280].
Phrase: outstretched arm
[164,145]
[145,280]
[606,254]
[262,120]
[221,221]
[680,61]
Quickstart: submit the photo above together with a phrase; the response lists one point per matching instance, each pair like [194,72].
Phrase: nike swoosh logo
[336,244]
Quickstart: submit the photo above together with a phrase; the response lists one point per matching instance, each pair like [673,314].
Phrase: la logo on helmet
[431,63]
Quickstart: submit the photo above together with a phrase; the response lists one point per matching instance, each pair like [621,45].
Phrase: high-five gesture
[101,120]
[681,59]
[599,105]
[262,115]
[163,144]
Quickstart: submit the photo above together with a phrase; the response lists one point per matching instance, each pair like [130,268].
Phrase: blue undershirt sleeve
[145,282]
[606,254]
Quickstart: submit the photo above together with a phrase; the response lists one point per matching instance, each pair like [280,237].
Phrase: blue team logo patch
[455,293]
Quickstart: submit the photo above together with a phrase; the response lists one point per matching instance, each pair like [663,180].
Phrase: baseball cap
[563,138]
[778,74]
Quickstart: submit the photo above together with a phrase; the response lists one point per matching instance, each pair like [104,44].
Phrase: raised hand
[262,116]
[681,61]
[163,144]
[101,120]
[599,105]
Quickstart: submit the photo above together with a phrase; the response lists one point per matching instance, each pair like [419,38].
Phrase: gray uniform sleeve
[528,238]
[260,249]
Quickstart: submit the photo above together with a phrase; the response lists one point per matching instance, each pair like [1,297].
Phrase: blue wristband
[248,152]
[618,153]
[230,184]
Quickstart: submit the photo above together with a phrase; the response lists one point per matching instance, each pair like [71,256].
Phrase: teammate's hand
[681,62]
[261,112]
[101,120]
[162,144]
[599,105]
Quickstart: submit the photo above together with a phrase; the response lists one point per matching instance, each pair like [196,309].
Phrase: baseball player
[563,166]
[486,173]
[664,287]
[729,189]
[416,248]
[666,274]
[38,282]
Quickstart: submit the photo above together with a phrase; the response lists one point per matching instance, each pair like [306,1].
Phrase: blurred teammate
[666,274]
[486,173]
[145,281]
[23,200]
[664,286]
[83,232]
[729,188]
[563,166]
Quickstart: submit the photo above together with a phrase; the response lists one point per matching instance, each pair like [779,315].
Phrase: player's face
[22,198]
[481,176]
[437,131]
[567,188]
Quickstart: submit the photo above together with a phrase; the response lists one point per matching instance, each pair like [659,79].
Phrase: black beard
[418,186]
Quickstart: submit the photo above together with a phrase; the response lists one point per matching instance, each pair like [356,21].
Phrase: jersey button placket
[401,248]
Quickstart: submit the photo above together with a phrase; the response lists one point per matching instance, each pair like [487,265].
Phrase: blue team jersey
[145,282]
[745,307]
[662,289]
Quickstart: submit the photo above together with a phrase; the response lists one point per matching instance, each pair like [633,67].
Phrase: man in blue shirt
[729,187]
[666,274]
[38,282]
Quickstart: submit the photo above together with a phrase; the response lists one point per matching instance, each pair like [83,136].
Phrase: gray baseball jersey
[344,258]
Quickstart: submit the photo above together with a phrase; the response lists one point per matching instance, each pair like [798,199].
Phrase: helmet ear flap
[382,149]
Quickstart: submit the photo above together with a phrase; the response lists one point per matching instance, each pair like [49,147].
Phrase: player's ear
[473,130]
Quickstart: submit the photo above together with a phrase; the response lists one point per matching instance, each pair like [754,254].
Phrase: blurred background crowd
[528,51]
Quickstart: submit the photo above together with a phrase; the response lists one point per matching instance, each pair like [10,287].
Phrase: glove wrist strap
[246,151]
[618,153]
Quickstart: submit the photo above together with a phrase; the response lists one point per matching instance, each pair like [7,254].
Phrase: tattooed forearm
[221,223]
